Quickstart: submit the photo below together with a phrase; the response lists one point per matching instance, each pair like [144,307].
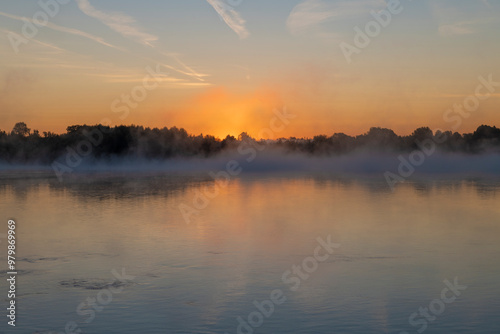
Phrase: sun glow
[219,112]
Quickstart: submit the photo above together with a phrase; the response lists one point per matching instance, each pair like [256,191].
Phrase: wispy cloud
[459,28]
[131,78]
[67,30]
[146,39]
[121,23]
[126,26]
[52,47]
[166,81]
[454,19]
[310,13]
[189,71]
[231,17]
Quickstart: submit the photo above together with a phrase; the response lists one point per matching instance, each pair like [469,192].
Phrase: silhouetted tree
[21,129]
[137,142]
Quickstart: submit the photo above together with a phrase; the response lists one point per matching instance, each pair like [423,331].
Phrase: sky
[222,67]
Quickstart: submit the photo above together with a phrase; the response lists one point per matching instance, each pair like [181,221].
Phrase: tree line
[100,142]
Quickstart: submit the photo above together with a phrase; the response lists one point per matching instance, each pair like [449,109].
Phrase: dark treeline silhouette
[99,142]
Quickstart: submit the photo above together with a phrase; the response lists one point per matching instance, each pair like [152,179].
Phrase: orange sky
[224,73]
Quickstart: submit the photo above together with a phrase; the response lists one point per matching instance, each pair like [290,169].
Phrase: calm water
[396,250]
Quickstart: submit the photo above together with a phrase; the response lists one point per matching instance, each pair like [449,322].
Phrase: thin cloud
[189,74]
[125,25]
[135,79]
[460,28]
[67,30]
[194,84]
[120,23]
[458,20]
[231,17]
[310,13]
[189,70]
[50,46]
[47,45]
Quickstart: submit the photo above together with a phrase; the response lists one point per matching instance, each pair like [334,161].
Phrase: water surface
[200,276]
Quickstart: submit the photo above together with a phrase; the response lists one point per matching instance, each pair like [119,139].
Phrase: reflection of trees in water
[103,187]
[484,187]
[19,184]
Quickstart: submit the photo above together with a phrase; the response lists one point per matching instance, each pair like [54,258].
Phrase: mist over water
[275,160]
